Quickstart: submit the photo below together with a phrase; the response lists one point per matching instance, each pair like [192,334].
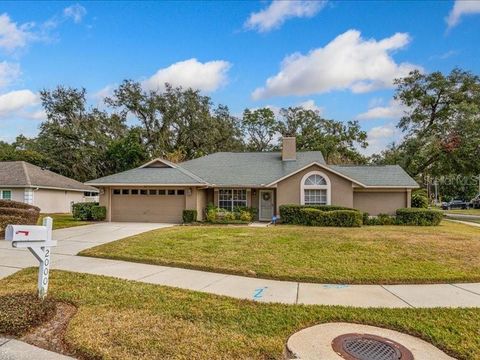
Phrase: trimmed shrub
[99,213]
[420,199]
[216,215]
[385,219]
[291,214]
[211,214]
[419,217]
[339,218]
[83,211]
[17,205]
[366,218]
[189,216]
[228,216]
[245,216]
[13,212]
[238,210]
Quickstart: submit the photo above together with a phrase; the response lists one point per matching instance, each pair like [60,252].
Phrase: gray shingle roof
[148,176]
[252,169]
[260,168]
[21,173]
[385,175]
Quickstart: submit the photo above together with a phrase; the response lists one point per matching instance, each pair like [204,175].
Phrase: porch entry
[267,203]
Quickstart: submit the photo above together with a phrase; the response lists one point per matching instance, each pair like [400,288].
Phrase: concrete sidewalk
[11,349]
[71,241]
[287,292]
[464,222]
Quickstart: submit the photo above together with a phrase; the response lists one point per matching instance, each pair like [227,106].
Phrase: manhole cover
[369,347]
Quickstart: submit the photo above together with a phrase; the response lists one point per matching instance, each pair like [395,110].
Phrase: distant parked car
[475,203]
[455,204]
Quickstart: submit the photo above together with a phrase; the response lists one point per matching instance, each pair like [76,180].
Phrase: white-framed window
[6,194]
[315,189]
[229,199]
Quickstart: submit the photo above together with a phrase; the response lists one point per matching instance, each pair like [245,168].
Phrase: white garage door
[138,205]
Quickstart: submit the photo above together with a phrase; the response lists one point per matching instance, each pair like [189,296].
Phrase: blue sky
[337,57]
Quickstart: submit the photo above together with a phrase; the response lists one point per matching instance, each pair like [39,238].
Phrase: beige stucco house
[51,192]
[159,191]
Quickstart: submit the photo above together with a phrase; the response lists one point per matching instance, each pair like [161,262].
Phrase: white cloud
[347,62]
[208,76]
[106,91]
[394,110]
[9,72]
[461,8]
[279,11]
[38,114]
[12,35]
[380,137]
[310,105]
[76,12]
[19,100]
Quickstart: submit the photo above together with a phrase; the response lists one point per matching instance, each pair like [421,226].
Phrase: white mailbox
[38,240]
[26,233]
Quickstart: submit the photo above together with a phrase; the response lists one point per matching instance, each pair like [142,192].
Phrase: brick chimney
[289,148]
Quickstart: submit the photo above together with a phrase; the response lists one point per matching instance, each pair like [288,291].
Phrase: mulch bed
[50,335]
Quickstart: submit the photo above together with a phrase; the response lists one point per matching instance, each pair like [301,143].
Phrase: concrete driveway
[70,242]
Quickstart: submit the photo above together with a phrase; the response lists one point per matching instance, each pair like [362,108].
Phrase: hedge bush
[89,211]
[380,219]
[14,212]
[240,215]
[189,216]
[291,214]
[320,215]
[83,211]
[99,213]
[419,217]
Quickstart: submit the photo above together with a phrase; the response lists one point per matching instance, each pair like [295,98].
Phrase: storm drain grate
[369,347]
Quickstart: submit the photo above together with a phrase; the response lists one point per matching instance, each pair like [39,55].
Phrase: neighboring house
[51,192]
[159,191]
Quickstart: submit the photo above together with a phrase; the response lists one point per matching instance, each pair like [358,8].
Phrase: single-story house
[159,190]
[51,192]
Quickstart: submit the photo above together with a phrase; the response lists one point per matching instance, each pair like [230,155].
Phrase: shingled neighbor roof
[23,174]
[252,169]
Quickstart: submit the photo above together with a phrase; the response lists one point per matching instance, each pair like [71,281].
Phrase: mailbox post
[38,240]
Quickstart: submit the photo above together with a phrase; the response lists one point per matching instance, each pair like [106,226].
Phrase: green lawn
[61,221]
[119,319]
[371,254]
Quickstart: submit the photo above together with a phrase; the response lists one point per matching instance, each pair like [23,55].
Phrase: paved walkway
[11,349]
[464,222]
[70,242]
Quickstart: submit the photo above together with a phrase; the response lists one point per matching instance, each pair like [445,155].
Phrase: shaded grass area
[19,312]
[371,254]
[61,221]
[127,320]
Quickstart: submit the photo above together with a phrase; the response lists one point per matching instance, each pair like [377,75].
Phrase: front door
[266,205]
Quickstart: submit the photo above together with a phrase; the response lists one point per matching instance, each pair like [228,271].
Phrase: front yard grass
[371,254]
[119,319]
[61,221]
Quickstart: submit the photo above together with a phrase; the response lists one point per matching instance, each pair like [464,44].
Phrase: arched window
[315,189]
